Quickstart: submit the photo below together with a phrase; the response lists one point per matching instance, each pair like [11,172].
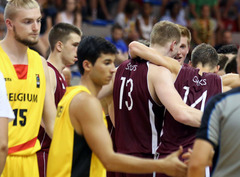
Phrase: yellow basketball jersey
[26,97]
[69,153]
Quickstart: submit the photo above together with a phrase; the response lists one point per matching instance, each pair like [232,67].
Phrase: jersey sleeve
[5,108]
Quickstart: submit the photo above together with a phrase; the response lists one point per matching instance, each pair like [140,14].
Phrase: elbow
[108,162]
[4,147]
[132,49]
[187,119]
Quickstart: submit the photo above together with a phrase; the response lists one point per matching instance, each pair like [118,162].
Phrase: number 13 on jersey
[124,86]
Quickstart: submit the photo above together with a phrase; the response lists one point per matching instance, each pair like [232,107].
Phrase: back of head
[231,67]
[222,61]
[91,47]
[61,32]
[164,32]
[204,54]
[13,5]
[228,49]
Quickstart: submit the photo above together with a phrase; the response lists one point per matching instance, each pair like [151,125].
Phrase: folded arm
[152,55]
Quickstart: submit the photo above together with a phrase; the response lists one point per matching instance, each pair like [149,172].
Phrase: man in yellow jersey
[63,39]
[80,134]
[28,87]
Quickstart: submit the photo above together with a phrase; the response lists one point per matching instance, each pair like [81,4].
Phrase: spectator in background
[116,38]
[104,9]
[2,24]
[127,20]
[196,8]
[145,21]
[203,28]
[231,14]
[48,12]
[175,13]
[69,14]
[226,38]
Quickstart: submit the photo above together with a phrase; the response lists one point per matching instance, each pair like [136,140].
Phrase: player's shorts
[21,166]
[42,162]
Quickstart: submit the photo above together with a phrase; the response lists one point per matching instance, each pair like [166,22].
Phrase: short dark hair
[222,60]
[228,49]
[61,32]
[231,67]
[204,54]
[91,47]
[116,26]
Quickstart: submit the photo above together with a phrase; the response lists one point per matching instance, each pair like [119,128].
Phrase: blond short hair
[13,5]
[185,32]
[164,32]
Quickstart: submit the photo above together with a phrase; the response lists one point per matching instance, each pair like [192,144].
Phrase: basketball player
[184,45]
[195,86]
[6,115]
[219,131]
[140,89]
[63,39]
[80,134]
[28,87]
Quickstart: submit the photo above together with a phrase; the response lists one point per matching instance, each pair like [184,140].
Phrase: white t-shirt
[5,107]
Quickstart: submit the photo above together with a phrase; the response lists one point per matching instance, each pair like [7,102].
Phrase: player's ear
[59,46]
[190,63]
[87,65]
[9,23]
[173,45]
[216,68]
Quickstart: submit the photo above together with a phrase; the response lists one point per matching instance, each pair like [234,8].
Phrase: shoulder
[158,73]
[157,68]
[84,100]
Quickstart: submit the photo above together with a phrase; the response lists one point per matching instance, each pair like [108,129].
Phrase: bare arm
[106,97]
[90,124]
[3,142]
[49,109]
[230,81]
[170,98]
[193,10]
[201,156]
[78,21]
[217,14]
[150,54]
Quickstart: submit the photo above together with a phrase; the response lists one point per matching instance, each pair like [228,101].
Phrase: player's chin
[107,81]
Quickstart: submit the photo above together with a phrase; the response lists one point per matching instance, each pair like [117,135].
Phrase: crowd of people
[155,98]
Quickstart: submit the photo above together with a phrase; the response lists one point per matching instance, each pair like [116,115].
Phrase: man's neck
[204,69]
[56,61]
[87,82]
[161,49]
[16,51]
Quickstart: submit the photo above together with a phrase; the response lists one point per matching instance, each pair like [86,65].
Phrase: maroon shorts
[42,163]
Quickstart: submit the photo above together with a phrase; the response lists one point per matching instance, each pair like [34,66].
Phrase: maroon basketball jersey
[195,91]
[59,92]
[138,119]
